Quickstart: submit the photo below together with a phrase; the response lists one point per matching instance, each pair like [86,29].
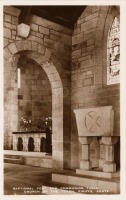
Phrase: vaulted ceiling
[63,15]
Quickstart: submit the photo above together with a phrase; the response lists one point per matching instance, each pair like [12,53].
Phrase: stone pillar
[85,163]
[61,152]
[38,143]
[12,92]
[102,154]
[15,143]
[25,144]
[109,164]
[35,143]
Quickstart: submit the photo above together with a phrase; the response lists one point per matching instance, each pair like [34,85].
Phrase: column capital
[85,140]
[109,140]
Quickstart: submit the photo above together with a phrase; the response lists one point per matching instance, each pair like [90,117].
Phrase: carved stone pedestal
[85,162]
[97,122]
[102,154]
[109,164]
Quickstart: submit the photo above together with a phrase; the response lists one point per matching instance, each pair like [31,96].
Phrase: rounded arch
[31,145]
[42,144]
[37,52]
[112,13]
[104,22]
[56,75]
[20,144]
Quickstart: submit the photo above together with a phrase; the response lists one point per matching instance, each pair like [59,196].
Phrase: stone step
[12,156]
[62,188]
[98,174]
[45,162]
[52,187]
[12,161]
[36,161]
[97,185]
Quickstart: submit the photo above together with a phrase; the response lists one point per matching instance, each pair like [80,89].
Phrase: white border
[122,4]
[1,102]
[62,2]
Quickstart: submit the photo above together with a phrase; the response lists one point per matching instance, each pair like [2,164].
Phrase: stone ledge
[36,161]
[98,174]
[112,186]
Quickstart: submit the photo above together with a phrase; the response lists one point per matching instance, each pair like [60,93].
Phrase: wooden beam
[25,15]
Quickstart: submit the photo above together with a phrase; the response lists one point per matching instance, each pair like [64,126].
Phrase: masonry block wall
[88,79]
[55,37]
[43,35]
[82,54]
[34,94]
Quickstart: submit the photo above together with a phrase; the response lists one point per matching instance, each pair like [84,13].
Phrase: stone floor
[29,180]
[24,180]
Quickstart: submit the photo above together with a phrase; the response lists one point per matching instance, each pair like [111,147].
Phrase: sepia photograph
[61,82]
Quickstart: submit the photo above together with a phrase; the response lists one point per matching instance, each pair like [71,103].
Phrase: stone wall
[82,54]
[55,37]
[88,80]
[34,94]
[52,42]
[48,44]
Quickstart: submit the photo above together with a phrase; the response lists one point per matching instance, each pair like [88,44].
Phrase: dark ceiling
[63,15]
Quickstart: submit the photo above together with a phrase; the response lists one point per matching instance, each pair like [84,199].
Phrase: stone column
[109,164]
[35,143]
[25,143]
[85,163]
[38,144]
[13,93]
[102,154]
[15,142]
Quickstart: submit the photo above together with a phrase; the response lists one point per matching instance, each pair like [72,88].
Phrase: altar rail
[37,141]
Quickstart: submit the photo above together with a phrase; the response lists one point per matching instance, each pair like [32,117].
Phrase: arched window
[113,53]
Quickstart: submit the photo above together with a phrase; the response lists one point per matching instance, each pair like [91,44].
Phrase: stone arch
[105,19]
[20,144]
[57,77]
[42,144]
[112,13]
[103,25]
[31,145]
